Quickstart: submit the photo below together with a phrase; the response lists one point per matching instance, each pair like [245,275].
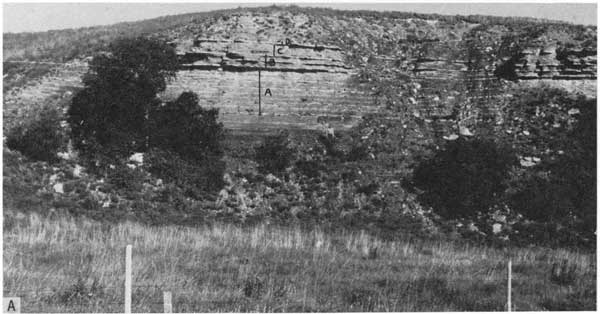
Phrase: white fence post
[509,284]
[128,279]
[167,302]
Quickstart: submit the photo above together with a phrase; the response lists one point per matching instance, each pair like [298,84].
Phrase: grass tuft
[563,273]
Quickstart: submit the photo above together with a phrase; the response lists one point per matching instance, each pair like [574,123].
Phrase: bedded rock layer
[311,79]
[301,85]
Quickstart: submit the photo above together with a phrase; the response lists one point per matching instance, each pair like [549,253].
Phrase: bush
[464,178]
[183,127]
[195,178]
[125,178]
[558,129]
[274,155]
[41,138]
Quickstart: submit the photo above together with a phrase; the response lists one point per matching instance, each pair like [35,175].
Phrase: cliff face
[316,76]
[300,85]
[545,62]
[326,66]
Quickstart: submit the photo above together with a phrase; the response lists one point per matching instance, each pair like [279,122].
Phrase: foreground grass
[69,265]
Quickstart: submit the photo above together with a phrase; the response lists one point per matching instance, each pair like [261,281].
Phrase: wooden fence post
[128,279]
[509,285]
[167,302]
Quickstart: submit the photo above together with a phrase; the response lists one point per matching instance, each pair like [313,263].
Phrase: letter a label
[11,305]
[268,92]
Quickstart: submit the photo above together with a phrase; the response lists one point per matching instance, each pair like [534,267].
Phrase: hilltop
[42,66]
[63,45]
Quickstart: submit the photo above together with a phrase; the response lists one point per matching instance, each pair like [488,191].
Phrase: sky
[32,17]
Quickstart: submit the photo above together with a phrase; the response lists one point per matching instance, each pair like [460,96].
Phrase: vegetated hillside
[410,84]
[445,143]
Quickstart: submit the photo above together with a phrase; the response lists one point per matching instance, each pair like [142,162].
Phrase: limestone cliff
[300,85]
[546,62]
[325,63]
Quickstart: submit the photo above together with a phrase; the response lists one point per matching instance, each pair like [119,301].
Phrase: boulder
[496,228]
[271,179]
[77,171]
[137,158]
[464,131]
[59,188]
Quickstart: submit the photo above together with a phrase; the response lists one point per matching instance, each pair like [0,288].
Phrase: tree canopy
[120,89]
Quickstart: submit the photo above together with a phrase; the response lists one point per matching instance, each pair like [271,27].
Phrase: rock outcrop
[319,57]
[548,62]
[301,85]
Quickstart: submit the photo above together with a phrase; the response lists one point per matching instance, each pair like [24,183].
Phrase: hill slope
[340,227]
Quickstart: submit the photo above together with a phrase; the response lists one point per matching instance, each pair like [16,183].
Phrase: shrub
[465,177]
[195,178]
[39,139]
[561,188]
[274,155]
[183,127]
[125,178]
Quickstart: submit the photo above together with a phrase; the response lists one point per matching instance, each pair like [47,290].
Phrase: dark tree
[464,178]
[562,187]
[183,127]
[120,88]
[185,145]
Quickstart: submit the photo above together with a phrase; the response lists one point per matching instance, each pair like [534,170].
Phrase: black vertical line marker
[259,109]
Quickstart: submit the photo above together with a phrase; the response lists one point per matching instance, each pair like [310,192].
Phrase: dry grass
[67,265]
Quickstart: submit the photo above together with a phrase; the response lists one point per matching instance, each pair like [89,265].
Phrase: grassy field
[67,265]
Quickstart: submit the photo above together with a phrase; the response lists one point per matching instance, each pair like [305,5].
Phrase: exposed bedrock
[301,85]
[305,86]
[550,62]
[313,83]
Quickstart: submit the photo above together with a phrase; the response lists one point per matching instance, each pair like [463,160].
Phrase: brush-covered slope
[328,66]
